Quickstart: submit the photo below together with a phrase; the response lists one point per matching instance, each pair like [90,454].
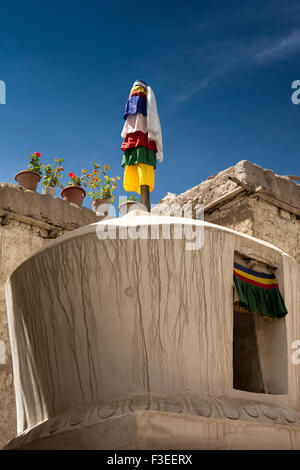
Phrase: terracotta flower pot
[74,194]
[96,205]
[28,179]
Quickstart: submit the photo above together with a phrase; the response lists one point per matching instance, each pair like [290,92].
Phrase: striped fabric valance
[258,292]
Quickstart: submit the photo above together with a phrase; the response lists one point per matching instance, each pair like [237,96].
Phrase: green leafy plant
[53,173]
[122,199]
[133,199]
[78,180]
[34,163]
[101,186]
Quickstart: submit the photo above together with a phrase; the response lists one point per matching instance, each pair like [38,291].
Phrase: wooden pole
[145,196]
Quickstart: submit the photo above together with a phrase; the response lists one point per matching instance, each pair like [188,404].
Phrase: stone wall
[263,220]
[251,200]
[28,220]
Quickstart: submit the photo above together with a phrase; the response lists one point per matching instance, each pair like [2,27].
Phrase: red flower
[71,175]
[38,154]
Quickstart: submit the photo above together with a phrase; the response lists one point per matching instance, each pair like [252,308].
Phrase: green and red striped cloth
[259,292]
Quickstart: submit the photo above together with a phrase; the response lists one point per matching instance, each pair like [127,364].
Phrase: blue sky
[221,72]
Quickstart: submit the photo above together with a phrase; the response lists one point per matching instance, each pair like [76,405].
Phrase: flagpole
[145,196]
[142,142]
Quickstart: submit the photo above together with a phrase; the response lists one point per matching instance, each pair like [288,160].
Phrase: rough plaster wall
[262,220]
[248,212]
[210,189]
[277,226]
[17,242]
[236,214]
[245,175]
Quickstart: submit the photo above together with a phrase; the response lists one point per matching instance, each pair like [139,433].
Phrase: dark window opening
[259,347]
[247,373]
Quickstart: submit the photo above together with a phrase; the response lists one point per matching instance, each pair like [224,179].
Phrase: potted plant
[101,186]
[52,175]
[74,191]
[127,205]
[30,177]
